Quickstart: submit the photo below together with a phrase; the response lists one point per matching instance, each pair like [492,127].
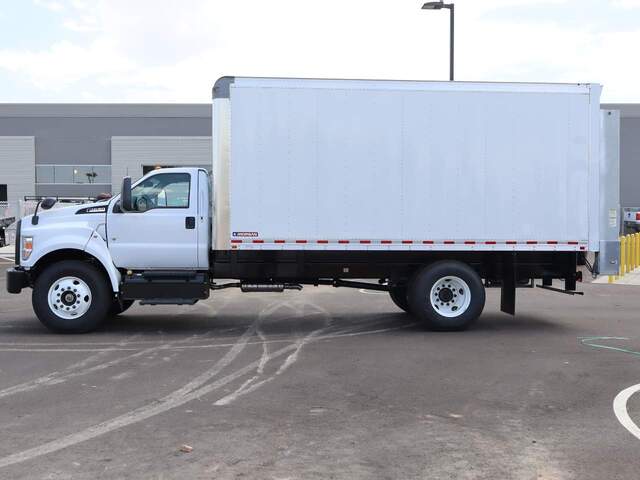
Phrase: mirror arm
[35,219]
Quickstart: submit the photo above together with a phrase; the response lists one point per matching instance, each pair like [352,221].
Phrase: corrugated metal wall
[130,154]
[17,161]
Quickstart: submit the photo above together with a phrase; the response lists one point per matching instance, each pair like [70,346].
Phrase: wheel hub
[450,296]
[69,297]
[445,295]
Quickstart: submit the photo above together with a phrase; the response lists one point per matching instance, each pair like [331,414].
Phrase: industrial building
[83,150]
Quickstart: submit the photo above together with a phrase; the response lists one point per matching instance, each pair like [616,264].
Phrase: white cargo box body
[394,165]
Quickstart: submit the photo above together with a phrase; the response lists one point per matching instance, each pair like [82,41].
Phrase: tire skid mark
[56,378]
[249,386]
[337,334]
[162,405]
[191,391]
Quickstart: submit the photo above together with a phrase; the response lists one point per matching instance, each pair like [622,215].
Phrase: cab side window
[164,190]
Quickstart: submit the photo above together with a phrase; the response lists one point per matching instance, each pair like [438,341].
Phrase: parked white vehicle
[434,189]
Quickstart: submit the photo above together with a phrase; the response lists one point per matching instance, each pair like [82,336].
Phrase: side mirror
[125,195]
[47,203]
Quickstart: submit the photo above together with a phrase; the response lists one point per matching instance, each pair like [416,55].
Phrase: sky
[174,50]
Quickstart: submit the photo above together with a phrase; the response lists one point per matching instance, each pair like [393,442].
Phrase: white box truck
[433,191]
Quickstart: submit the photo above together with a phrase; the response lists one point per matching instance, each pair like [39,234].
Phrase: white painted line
[621,400]
[622,414]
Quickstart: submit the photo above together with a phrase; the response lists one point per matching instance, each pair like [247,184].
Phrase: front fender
[97,247]
[48,239]
[72,237]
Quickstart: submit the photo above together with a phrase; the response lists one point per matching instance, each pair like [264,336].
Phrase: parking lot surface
[324,383]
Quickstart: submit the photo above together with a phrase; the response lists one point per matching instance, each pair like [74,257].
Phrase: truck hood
[90,215]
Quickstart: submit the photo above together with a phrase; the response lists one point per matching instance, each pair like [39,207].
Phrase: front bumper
[17,280]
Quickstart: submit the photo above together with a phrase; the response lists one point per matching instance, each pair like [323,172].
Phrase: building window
[73,174]
[3,193]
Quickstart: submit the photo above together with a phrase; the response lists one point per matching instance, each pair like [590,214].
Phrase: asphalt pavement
[325,383]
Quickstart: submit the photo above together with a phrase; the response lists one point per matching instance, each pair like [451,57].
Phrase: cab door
[161,232]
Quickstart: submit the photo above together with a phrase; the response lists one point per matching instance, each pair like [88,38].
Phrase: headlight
[27,247]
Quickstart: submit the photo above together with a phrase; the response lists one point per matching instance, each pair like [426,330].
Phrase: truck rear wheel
[71,296]
[447,295]
[398,294]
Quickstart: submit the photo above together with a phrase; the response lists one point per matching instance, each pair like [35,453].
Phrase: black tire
[422,306]
[100,297]
[119,307]
[398,294]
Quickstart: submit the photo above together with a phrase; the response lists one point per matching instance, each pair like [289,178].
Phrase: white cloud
[626,3]
[169,51]
[50,5]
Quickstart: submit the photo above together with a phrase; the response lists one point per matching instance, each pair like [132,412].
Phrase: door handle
[190,223]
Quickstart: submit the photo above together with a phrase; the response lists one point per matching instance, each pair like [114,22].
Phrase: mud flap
[508,291]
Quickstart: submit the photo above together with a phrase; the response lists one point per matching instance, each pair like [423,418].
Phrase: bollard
[623,258]
[629,253]
[637,250]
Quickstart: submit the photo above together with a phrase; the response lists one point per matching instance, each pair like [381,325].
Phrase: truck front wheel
[71,296]
[447,295]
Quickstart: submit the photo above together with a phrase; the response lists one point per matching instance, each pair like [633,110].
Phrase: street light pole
[450,6]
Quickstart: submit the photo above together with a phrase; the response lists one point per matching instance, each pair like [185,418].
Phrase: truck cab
[81,260]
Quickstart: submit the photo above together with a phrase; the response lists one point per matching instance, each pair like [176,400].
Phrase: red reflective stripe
[323,241]
[386,242]
[511,242]
[469,242]
[428,242]
[573,243]
[343,241]
[365,242]
[490,243]
[236,241]
[532,242]
[258,241]
[301,241]
[449,242]
[278,241]
[407,242]
[552,242]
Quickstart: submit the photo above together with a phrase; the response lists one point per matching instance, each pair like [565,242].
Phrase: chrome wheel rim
[450,296]
[69,297]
